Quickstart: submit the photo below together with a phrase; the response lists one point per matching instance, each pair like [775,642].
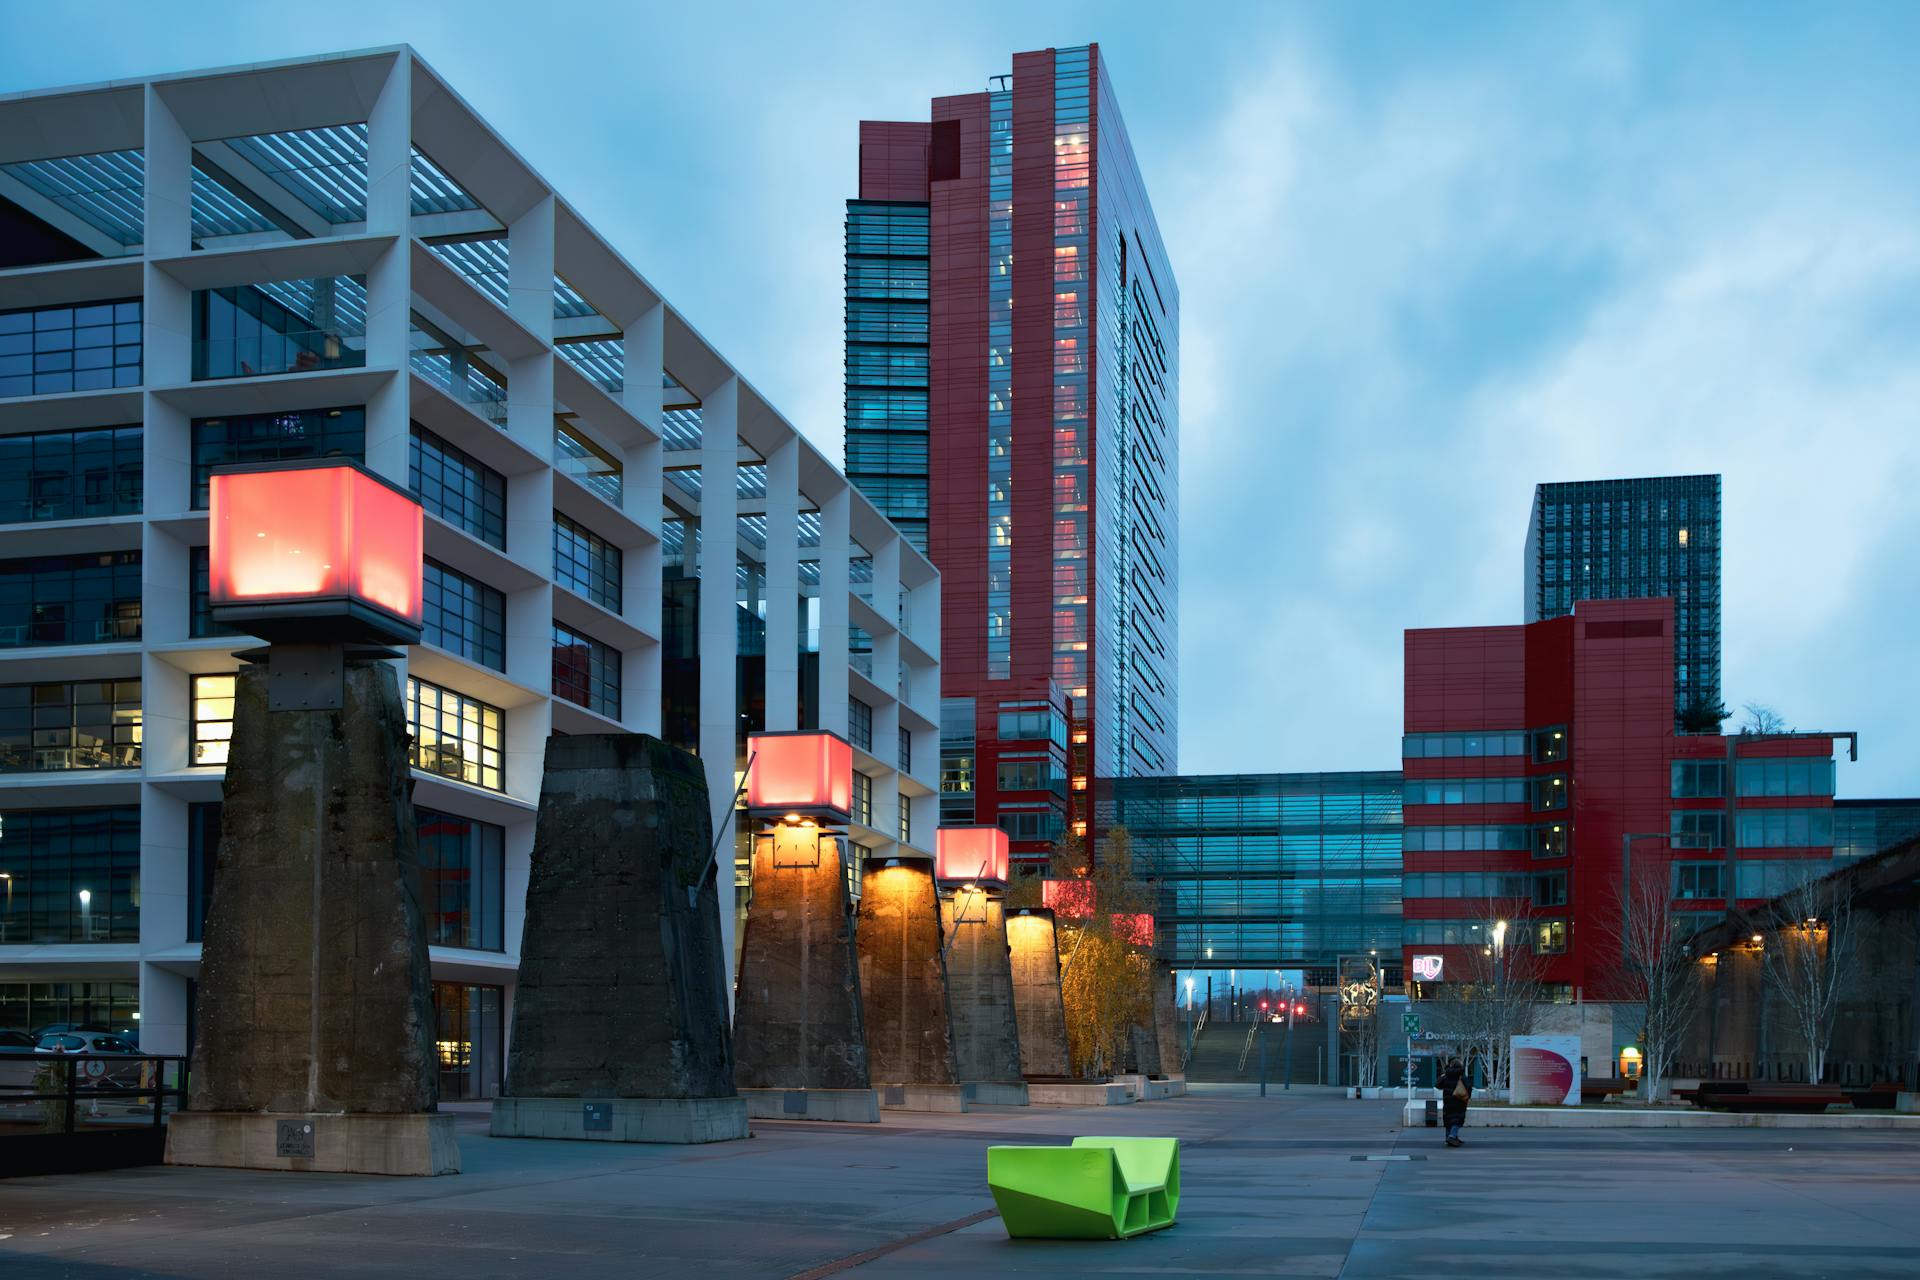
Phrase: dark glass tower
[1632,539]
[1012,328]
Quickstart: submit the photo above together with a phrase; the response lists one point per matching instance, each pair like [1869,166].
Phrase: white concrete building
[337,255]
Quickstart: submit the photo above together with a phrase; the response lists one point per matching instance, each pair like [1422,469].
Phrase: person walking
[1454,1093]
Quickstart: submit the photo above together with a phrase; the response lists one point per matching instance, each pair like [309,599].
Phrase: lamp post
[7,919]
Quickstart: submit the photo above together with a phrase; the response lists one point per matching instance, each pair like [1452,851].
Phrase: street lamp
[86,915]
[7,919]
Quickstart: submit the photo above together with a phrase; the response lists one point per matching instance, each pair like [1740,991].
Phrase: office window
[203,857]
[212,718]
[455,736]
[1550,744]
[1467,790]
[1027,724]
[1030,824]
[1472,745]
[906,751]
[585,671]
[1549,793]
[1785,828]
[92,724]
[457,487]
[859,724]
[585,563]
[1693,778]
[276,437]
[1697,829]
[1550,937]
[49,350]
[71,475]
[1552,840]
[463,880]
[287,326]
[1802,776]
[74,875]
[114,1005]
[1699,880]
[862,799]
[906,819]
[1771,878]
[92,598]
[201,623]
[470,1040]
[463,615]
[575,454]
[1550,889]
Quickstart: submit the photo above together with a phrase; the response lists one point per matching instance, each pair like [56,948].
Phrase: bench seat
[1096,1189]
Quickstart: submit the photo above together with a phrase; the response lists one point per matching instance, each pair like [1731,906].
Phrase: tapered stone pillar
[903,988]
[799,1035]
[620,1020]
[980,984]
[1042,1017]
[315,1024]
[1166,1021]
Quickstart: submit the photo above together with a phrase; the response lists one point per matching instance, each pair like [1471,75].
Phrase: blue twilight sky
[1427,254]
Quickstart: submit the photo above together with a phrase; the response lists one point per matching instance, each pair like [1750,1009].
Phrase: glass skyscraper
[1012,367]
[1633,539]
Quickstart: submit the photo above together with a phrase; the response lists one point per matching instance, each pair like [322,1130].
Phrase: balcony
[284,326]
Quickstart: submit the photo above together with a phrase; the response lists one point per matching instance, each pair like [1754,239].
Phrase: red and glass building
[1012,362]
[1542,769]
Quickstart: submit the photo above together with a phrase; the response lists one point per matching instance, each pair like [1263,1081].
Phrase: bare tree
[1658,974]
[1761,719]
[1808,960]
[1497,992]
[1360,1021]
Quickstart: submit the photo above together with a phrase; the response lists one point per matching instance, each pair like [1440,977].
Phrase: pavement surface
[1305,1183]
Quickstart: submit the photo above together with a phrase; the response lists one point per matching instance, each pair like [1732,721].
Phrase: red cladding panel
[803,773]
[971,854]
[893,160]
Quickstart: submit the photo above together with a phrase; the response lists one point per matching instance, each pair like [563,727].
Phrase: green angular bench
[1096,1189]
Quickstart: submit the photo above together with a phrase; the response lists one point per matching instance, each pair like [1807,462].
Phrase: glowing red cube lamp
[800,775]
[971,855]
[320,551]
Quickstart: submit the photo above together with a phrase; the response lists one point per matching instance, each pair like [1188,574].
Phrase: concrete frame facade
[180,123]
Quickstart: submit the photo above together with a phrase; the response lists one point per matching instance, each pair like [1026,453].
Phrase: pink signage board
[1546,1070]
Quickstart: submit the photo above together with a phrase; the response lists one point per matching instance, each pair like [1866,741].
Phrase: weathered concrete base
[922,1097]
[997,1093]
[1077,1095]
[1414,1113]
[1164,1087]
[675,1120]
[420,1145]
[860,1106]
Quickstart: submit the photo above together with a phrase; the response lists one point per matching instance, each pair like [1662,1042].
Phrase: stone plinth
[1051,1093]
[1035,960]
[798,1025]
[980,982]
[923,1097]
[903,977]
[860,1106]
[421,1145]
[314,996]
[622,993]
[675,1120]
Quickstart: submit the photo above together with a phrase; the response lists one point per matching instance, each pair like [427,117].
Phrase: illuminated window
[92,724]
[455,736]
[212,718]
[1683,537]
[862,799]
[906,818]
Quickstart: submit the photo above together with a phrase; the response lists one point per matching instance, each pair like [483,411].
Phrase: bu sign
[321,551]
[1428,968]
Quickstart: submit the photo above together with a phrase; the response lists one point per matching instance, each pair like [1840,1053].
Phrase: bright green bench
[1096,1189]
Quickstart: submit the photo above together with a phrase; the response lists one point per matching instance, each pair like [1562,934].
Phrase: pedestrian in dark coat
[1454,1093]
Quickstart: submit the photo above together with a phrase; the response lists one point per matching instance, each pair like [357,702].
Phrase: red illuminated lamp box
[972,856]
[807,774]
[319,551]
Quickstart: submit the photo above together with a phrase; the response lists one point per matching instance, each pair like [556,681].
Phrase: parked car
[16,1042]
[96,1044]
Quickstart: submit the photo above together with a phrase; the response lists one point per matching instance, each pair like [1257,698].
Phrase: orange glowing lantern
[320,551]
[971,855]
[800,775]
[1070,898]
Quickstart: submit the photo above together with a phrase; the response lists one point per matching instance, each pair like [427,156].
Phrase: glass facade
[462,879]
[275,437]
[73,875]
[586,563]
[456,736]
[575,454]
[200,623]
[463,615]
[288,326]
[49,350]
[212,718]
[886,360]
[71,475]
[999,539]
[78,599]
[1620,539]
[470,1040]
[1862,828]
[457,487]
[31,1006]
[585,671]
[1283,871]
[91,724]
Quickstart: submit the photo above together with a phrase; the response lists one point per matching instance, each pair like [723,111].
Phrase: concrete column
[980,984]
[719,637]
[640,495]
[163,1010]
[390,152]
[169,181]
[836,537]
[1039,1012]
[530,299]
[783,586]
[389,279]
[163,915]
[903,976]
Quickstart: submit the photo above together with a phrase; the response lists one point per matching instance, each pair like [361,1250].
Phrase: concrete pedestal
[1034,958]
[923,1097]
[996,1093]
[1166,1021]
[903,980]
[986,1033]
[676,1120]
[418,1145]
[1077,1095]
[860,1106]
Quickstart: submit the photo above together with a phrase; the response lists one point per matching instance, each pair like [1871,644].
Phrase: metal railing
[1247,1048]
[81,1092]
[1193,1035]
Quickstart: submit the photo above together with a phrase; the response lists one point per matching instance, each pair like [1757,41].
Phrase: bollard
[1433,1114]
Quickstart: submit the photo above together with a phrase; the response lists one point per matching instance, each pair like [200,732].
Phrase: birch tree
[1807,961]
[1658,974]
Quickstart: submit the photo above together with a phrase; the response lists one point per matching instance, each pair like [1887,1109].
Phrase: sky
[1428,256]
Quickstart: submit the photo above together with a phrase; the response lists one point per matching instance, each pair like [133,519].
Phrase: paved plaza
[1300,1184]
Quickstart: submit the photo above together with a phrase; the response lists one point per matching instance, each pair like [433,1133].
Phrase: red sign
[802,775]
[314,550]
[1070,898]
[1135,928]
[971,855]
